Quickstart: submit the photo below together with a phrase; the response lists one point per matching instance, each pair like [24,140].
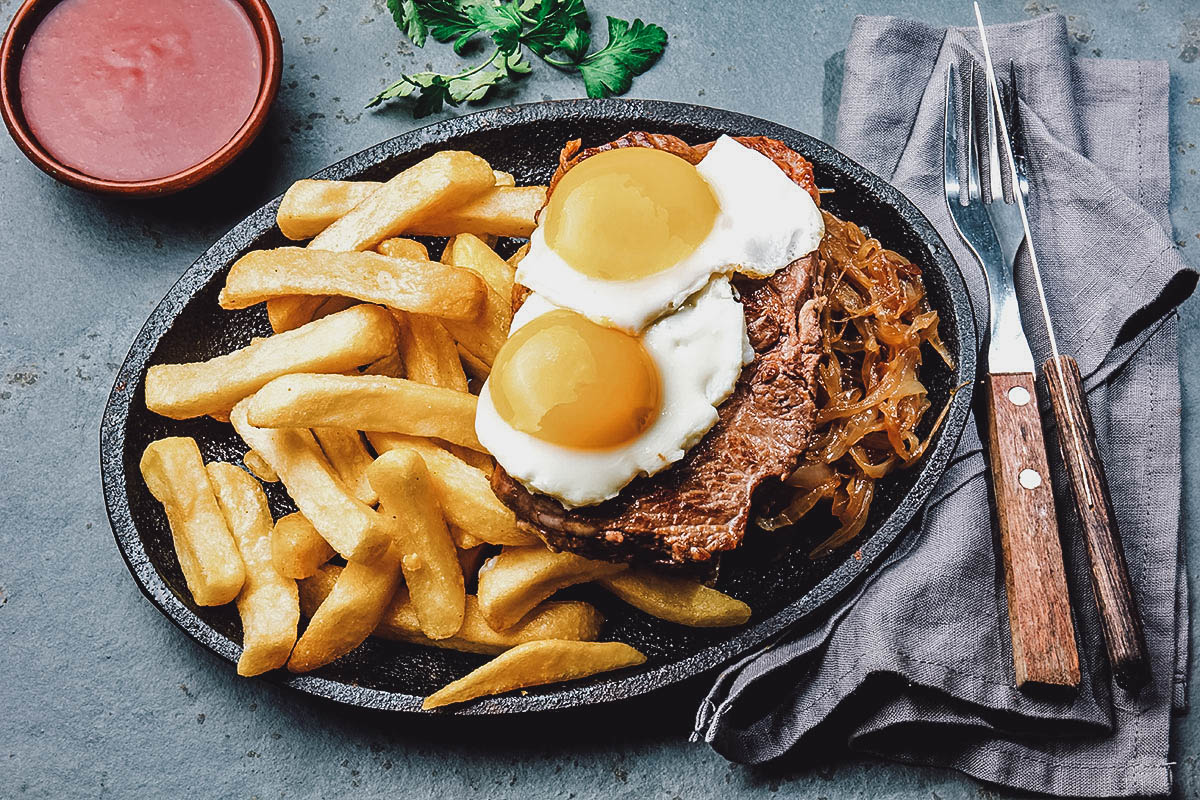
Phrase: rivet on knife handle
[1039,607]
[1119,618]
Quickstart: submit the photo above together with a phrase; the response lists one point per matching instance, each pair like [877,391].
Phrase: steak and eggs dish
[696,345]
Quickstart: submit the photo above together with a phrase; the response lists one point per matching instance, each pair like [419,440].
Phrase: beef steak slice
[700,506]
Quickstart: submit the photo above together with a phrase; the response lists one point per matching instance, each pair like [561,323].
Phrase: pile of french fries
[362,405]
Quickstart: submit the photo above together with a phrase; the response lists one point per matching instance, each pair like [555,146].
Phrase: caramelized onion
[869,395]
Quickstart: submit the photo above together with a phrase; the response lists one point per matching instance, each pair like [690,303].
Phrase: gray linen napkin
[916,665]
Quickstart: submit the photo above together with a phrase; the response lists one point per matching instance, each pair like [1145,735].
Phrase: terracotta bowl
[30,15]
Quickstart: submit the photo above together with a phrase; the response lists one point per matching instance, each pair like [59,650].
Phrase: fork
[1039,611]
[1124,638]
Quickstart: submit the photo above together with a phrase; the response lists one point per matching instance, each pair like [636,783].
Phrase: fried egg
[632,233]
[577,410]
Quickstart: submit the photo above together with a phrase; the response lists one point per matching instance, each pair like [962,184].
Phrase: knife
[1123,634]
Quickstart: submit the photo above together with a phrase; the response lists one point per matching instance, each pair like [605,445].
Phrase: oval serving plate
[782,584]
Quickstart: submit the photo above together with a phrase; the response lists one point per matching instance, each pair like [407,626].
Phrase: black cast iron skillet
[774,573]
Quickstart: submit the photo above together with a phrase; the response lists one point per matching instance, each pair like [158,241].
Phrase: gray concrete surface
[101,696]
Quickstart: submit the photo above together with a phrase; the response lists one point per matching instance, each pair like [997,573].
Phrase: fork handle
[1039,606]
[1119,618]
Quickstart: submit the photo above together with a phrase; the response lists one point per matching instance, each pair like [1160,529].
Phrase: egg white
[699,352]
[764,222]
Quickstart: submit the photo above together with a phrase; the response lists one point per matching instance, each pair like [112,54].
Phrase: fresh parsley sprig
[543,27]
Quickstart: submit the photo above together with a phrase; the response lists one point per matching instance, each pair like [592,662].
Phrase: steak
[700,506]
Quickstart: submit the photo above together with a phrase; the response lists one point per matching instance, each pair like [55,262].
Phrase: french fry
[462,539]
[309,207]
[390,366]
[428,557]
[553,619]
[503,211]
[516,580]
[346,453]
[296,548]
[480,461]
[366,403]
[349,613]
[474,365]
[398,247]
[349,525]
[675,599]
[516,257]
[268,602]
[427,287]
[429,353]
[428,189]
[484,336]
[536,664]
[259,467]
[208,557]
[471,252]
[337,343]
[290,312]
[465,494]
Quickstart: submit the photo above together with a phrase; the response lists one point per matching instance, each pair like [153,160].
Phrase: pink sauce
[133,90]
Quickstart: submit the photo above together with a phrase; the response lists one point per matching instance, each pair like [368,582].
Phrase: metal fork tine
[995,177]
[973,180]
[950,139]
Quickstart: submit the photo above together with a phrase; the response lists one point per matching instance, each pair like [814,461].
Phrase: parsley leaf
[448,21]
[408,19]
[543,27]
[502,22]
[548,30]
[631,50]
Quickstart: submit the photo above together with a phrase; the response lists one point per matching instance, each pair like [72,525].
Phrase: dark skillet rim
[620,685]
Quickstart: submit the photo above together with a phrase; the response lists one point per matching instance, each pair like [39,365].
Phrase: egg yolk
[629,213]
[565,380]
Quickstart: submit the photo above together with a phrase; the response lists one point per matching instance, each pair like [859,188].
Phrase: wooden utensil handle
[1039,606]
[1119,618]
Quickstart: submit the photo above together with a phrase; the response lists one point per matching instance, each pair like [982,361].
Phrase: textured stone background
[101,696]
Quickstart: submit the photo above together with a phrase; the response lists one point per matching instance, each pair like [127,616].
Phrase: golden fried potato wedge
[503,211]
[471,252]
[427,287]
[296,548]
[337,343]
[259,467]
[429,353]
[427,190]
[516,580]
[464,492]
[390,366]
[676,599]
[366,403]
[475,367]
[553,619]
[353,608]
[212,567]
[428,556]
[268,602]
[349,525]
[290,312]
[309,207]
[482,337]
[399,247]
[516,257]
[536,664]
[348,455]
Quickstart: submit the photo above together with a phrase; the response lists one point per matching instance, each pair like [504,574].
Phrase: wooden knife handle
[1039,606]
[1119,618]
